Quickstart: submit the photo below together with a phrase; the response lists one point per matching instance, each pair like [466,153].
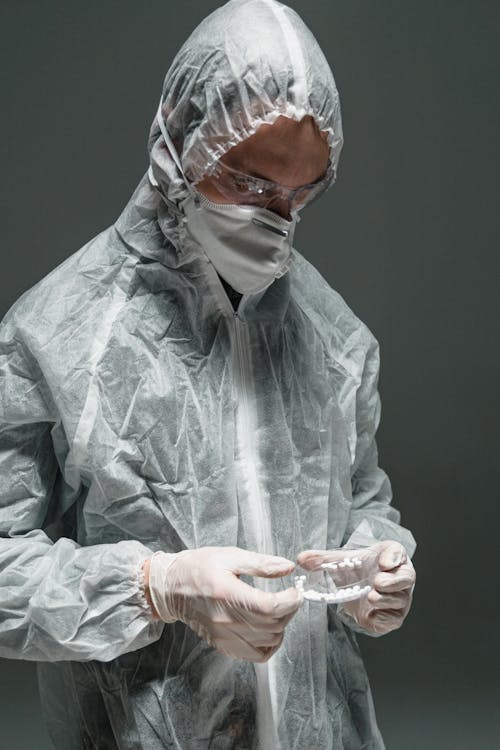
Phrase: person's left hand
[393,580]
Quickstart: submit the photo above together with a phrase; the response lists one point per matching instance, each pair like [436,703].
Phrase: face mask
[247,245]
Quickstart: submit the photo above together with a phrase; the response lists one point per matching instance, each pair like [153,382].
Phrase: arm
[372,518]
[58,600]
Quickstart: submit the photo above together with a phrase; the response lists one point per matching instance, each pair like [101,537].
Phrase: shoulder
[68,296]
[348,339]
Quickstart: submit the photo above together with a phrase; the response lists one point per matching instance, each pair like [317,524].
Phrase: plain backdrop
[408,236]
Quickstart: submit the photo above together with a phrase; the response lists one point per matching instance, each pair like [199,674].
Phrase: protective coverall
[139,413]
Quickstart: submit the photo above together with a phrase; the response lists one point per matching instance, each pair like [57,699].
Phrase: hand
[201,588]
[391,575]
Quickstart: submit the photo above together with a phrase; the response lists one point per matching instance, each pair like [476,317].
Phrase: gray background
[406,236]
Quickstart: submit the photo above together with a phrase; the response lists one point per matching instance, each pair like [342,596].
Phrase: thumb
[276,605]
[257,564]
[391,556]
[312,559]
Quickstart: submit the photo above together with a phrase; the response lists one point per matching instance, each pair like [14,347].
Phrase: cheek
[208,188]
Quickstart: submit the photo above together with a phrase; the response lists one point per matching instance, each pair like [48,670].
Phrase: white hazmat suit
[138,413]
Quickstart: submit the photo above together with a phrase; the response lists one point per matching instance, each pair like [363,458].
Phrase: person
[188,415]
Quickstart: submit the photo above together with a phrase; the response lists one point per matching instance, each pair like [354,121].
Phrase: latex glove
[201,588]
[391,574]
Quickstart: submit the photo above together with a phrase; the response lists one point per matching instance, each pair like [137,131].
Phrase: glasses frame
[260,191]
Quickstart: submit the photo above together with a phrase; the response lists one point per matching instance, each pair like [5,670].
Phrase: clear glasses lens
[242,188]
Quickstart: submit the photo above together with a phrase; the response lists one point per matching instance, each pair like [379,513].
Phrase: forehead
[287,146]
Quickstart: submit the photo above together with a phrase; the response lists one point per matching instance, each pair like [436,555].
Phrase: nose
[280,206]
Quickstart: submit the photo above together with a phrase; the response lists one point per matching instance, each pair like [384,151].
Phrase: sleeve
[372,518]
[58,600]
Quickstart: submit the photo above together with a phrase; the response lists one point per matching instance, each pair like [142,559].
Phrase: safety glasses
[239,187]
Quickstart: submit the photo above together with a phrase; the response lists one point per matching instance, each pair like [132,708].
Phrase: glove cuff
[158,584]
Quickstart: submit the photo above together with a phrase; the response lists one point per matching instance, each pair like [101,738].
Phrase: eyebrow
[250,172]
[253,173]
[260,176]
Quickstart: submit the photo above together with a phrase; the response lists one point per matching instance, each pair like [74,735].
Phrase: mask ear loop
[177,162]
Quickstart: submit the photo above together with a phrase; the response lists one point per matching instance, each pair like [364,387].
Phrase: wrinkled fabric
[248,63]
[138,413]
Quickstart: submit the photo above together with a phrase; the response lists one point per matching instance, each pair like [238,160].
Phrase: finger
[379,622]
[238,650]
[398,600]
[267,653]
[248,563]
[255,655]
[391,556]
[282,605]
[255,637]
[254,622]
[245,621]
[312,559]
[267,640]
[264,606]
[387,583]
[384,621]
[280,623]
[403,578]
[230,644]
[238,645]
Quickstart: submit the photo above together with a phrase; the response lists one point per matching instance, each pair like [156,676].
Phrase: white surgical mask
[247,245]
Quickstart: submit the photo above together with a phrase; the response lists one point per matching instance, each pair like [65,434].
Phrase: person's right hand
[201,587]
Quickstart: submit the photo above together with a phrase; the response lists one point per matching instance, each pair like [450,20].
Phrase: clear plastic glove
[201,588]
[389,571]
